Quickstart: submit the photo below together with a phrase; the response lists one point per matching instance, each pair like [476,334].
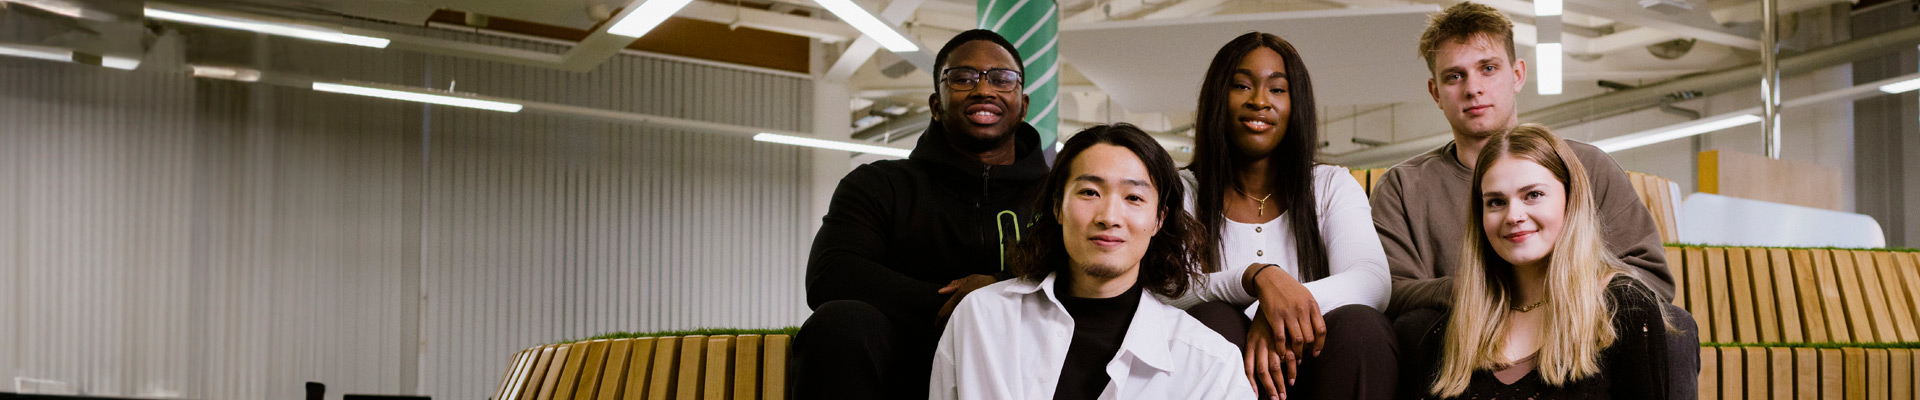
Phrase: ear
[1024,101]
[933,100]
[1433,91]
[1519,75]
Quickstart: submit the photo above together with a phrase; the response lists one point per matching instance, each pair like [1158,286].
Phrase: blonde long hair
[1579,317]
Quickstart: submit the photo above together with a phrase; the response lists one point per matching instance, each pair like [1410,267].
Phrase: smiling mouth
[1256,124]
[1107,241]
[983,114]
[1521,236]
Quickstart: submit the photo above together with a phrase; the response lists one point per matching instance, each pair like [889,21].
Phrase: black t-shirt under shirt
[1099,325]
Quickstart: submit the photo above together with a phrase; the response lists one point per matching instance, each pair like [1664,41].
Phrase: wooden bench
[1743,296]
[744,367]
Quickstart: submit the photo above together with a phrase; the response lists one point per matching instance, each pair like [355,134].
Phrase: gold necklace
[1262,209]
[1530,307]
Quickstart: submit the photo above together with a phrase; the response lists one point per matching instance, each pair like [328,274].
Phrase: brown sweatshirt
[1420,207]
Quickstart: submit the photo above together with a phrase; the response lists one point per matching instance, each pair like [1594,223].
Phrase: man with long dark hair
[1075,324]
[904,240]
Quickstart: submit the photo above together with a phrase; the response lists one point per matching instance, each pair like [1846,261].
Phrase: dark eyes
[1496,203]
[1535,195]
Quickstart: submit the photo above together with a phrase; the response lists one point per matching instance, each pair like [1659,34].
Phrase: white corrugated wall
[224,240]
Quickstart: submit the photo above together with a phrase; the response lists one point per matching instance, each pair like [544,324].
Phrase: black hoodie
[898,230]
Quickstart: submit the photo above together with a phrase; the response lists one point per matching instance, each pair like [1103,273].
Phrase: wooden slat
[1644,192]
[570,375]
[693,363]
[1360,175]
[1876,296]
[1746,320]
[773,381]
[1676,265]
[555,371]
[746,367]
[1856,372]
[639,371]
[1710,373]
[719,371]
[1786,294]
[1756,359]
[596,358]
[1734,295]
[666,360]
[1806,373]
[613,378]
[1670,217]
[1859,314]
[1812,298]
[1373,178]
[1909,271]
[531,386]
[518,364]
[1733,373]
[1900,373]
[1833,376]
[1698,296]
[1766,311]
[1877,373]
[1720,303]
[1897,294]
[1781,372]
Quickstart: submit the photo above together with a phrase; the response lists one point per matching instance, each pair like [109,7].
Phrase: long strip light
[1675,131]
[294,31]
[1548,54]
[1901,87]
[37,52]
[866,23]
[832,144]
[420,97]
[644,19]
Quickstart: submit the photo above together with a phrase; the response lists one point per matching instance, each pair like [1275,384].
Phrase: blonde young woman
[1541,309]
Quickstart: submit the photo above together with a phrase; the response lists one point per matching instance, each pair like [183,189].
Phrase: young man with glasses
[904,240]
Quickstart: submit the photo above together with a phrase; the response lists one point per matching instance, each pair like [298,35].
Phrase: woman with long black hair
[1282,229]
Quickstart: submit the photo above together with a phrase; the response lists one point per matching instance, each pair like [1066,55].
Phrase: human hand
[959,289]
[1292,313]
[1266,369]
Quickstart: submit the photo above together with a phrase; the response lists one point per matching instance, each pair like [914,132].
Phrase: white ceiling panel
[1356,56]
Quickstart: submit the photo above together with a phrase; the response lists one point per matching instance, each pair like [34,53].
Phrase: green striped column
[1034,27]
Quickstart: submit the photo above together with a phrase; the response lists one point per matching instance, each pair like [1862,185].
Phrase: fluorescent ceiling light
[37,52]
[1901,87]
[1675,131]
[227,73]
[420,97]
[649,15]
[1548,55]
[288,30]
[832,144]
[866,23]
[1543,8]
[53,6]
[120,63]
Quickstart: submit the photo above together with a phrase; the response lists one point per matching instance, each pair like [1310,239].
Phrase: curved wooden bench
[743,367]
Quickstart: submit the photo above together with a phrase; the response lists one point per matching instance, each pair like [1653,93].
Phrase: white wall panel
[220,240]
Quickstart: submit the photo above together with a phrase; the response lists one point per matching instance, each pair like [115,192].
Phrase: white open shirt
[1009,340]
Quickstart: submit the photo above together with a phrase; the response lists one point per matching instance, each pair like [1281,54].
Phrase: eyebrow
[1276,74]
[1098,180]
[1523,189]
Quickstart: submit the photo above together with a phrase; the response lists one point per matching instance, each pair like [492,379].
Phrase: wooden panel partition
[722,367]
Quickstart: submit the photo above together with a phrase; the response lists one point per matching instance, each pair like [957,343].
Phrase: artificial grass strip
[789,331]
[1809,345]
[1888,249]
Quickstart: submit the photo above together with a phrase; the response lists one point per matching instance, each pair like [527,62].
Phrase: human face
[982,118]
[1474,83]
[1109,213]
[1525,207]
[1257,95]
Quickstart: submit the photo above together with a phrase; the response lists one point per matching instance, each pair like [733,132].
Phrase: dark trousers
[1358,362]
[849,350]
[1683,348]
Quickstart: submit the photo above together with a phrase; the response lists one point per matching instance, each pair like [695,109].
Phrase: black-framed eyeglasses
[966,78]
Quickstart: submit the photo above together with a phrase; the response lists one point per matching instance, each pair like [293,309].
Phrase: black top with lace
[1634,367]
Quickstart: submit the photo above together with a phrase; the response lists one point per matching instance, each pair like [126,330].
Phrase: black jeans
[1360,360]
[849,350]
[1683,348]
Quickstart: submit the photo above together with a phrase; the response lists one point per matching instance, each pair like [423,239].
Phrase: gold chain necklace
[1530,307]
[1262,209]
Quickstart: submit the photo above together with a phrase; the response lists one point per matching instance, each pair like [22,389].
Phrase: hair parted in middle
[1462,23]
[1292,173]
[1170,266]
[1579,270]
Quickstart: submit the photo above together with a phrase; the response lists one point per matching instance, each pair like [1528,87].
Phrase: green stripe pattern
[1034,27]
